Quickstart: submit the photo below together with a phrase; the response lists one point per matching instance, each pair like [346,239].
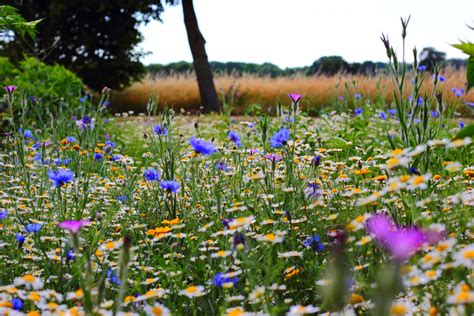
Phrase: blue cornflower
[170,185]
[3,214]
[83,99]
[434,113]
[122,198]
[71,139]
[422,68]
[60,177]
[152,174]
[98,156]
[113,277]
[235,137]
[220,279]
[27,133]
[314,243]
[382,115]
[115,157]
[201,146]
[20,238]
[67,161]
[239,239]
[392,112]
[226,222]
[159,130]
[357,96]
[280,138]
[70,255]
[441,78]
[223,167]
[17,303]
[461,124]
[58,161]
[33,227]
[414,171]
[420,101]
[317,161]
[109,143]
[358,111]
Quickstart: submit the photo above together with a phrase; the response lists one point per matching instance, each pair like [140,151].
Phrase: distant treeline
[329,65]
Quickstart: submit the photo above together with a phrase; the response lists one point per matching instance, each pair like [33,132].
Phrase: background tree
[430,57]
[328,65]
[207,90]
[96,39]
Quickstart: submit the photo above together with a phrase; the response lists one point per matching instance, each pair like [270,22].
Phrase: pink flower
[10,89]
[274,157]
[400,242]
[295,97]
[73,226]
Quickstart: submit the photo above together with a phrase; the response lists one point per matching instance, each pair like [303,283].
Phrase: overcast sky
[297,32]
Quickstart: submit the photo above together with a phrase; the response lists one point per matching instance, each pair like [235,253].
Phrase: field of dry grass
[181,91]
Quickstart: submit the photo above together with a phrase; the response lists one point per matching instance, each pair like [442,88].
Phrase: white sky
[295,33]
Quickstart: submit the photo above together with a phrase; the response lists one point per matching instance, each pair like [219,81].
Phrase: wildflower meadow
[366,209]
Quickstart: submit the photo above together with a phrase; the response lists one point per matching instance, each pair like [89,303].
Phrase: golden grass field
[181,91]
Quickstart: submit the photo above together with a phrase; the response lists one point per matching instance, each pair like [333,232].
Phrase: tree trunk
[202,68]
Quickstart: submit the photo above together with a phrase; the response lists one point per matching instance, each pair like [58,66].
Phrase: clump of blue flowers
[201,146]
[170,185]
[220,279]
[235,137]
[314,242]
[280,138]
[60,177]
[160,130]
[152,174]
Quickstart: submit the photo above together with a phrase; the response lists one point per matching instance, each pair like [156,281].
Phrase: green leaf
[470,73]
[467,131]
[465,47]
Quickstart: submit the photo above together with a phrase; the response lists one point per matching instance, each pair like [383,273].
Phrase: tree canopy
[97,39]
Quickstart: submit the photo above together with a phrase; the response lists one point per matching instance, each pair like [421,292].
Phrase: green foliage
[98,41]
[7,70]
[467,131]
[50,83]
[430,57]
[329,65]
[10,20]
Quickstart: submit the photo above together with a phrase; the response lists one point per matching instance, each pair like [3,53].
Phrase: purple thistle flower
[295,97]
[274,157]
[73,226]
[400,242]
[10,89]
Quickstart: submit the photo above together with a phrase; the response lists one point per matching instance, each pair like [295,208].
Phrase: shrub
[50,83]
